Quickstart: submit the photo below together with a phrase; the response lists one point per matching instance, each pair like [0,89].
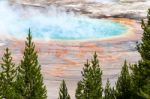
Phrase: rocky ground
[135,9]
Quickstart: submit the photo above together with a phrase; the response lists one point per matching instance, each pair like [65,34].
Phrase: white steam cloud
[15,20]
[51,23]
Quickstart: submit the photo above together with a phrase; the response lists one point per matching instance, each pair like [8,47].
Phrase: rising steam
[51,23]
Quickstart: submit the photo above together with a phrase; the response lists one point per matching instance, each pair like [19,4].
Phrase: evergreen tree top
[109,93]
[144,46]
[90,87]
[30,80]
[8,67]
[7,76]
[123,85]
[63,93]
[141,70]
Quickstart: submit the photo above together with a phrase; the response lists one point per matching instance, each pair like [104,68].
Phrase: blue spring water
[73,28]
[77,29]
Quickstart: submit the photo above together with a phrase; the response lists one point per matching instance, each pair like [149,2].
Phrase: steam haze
[52,23]
[16,20]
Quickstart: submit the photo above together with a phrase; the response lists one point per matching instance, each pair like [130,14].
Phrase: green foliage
[30,81]
[145,95]
[148,17]
[141,71]
[79,91]
[140,78]
[109,93]
[145,92]
[90,87]
[63,93]
[124,85]
[144,46]
[7,76]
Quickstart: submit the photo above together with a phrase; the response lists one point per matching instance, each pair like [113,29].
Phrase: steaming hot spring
[67,40]
[55,25]
[67,28]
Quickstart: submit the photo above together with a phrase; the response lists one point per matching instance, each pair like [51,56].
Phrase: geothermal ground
[65,59]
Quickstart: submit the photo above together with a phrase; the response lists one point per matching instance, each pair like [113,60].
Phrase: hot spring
[73,28]
[14,23]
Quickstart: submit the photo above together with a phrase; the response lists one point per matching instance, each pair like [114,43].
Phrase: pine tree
[30,80]
[79,91]
[144,46]
[63,94]
[124,85]
[144,95]
[140,72]
[7,77]
[140,78]
[145,92]
[90,87]
[109,93]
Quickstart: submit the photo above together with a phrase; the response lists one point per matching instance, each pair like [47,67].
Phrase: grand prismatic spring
[58,26]
[67,34]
